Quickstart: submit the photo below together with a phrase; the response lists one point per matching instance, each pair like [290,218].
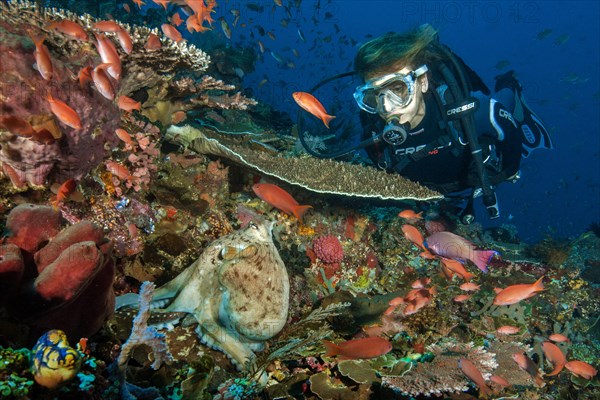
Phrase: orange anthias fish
[125,40]
[527,365]
[20,127]
[128,104]
[469,287]
[555,356]
[102,81]
[462,297]
[85,75]
[64,191]
[410,215]
[558,338]
[457,268]
[153,42]
[125,137]
[171,32]
[107,26]
[176,19]
[471,372]
[163,3]
[508,330]
[309,103]
[581,369]
[109,55]
[515,293]
[370,347]
[119,170]
[413,234]
[42,58]
[64,113]
[279,198]
[194,23]
[70,28]
[16,125]
[500,381]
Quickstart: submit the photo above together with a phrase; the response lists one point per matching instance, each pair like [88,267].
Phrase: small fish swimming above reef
[279,198]
[515,293]
[581,369]
[471,372]
[310,103]
[370,347]
[449,245]
[555,355]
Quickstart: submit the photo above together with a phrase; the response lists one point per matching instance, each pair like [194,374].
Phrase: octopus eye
[253,225]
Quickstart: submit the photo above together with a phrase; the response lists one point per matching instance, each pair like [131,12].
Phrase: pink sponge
[30,225]
[328,249]
[72,273]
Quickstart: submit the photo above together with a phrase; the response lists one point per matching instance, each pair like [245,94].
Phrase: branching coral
[141,333]
[169,101]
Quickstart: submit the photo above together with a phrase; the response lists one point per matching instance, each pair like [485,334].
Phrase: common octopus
[237,290]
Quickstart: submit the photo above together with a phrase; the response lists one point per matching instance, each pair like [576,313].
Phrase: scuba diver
[430,118]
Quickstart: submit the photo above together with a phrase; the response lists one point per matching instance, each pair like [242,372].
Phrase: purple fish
[449,245]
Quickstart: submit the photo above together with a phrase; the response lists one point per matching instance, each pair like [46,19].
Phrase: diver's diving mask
[388,92]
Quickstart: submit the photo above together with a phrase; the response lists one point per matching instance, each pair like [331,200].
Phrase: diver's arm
[492,118]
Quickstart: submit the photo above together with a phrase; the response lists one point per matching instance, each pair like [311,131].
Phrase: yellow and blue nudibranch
[53,360]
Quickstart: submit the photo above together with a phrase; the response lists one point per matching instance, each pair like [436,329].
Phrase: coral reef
[69,152]
[71,272]
[13,383]
[264,294]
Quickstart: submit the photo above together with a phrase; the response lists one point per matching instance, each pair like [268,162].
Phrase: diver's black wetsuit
[446,168]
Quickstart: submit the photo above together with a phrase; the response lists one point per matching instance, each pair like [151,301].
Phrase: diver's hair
[393,51]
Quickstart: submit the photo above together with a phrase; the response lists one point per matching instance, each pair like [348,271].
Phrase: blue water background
[559,193]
